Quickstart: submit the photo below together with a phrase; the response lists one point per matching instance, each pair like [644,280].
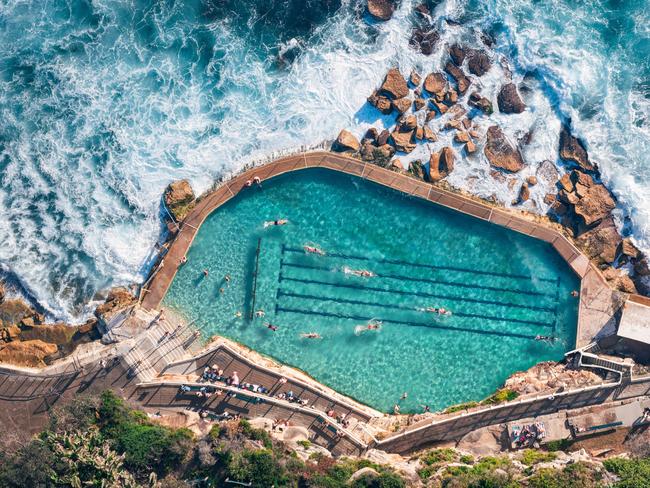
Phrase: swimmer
[575,293]
[438,310]
[272,223]
[205,273]
[269,325]
[184,260]
[371,325]
[311,335]
[259,313]
[221,290]
[248,183]
[227,278]
[313,250]
[359,272]
[404,396]
[545,338]
[238,314]
[257,181]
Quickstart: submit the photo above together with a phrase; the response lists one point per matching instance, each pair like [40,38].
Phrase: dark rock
[423,11]
[408,123]
[480,102]
[572,149]
[371,135]
[419,104]
[549,198]
[118,299]
[424,40]
[346,141]
[509,101]
[416,169]
[381,9]
[478,62]
[457,74]
[394,84]
[381,103]
[457,54]
[500,153]
[524,193]
[439,106]
[382,138]
[403,140]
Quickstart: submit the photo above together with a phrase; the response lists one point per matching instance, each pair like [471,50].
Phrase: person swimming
[438,310]
[364,273]
[269,325]
[272,223]
[311,335]
[371,325]
[313,250]
[544,338]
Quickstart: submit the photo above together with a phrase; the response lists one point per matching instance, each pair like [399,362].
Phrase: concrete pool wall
[598,303]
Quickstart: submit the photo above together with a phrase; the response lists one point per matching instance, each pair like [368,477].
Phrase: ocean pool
[502,288]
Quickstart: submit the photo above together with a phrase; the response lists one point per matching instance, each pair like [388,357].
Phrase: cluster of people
[528,435]
[291,397]
[202,392]
[339,418]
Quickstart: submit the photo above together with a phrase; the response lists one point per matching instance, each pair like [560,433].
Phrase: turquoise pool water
[503,289]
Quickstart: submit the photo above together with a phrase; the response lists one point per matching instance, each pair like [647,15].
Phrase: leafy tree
[632,473]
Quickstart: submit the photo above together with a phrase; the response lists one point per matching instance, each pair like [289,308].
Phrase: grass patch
[460,407]
[530,457]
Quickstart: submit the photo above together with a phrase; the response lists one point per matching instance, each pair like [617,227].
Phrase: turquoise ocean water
[503,289]
[104,102]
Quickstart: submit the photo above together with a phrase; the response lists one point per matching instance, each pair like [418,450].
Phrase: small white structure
[635,321]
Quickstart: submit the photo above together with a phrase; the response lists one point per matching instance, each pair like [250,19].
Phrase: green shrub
[467,459]
[304,443]
[259,467]
[633,473]
[436,456]
[384,480]
[31,465]
[558,445]
[460,406]
[576,475]
[503,395]
[215,432]
[255,434]
[534,456]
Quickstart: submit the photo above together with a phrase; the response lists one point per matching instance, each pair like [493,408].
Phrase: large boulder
[59,334]
[594,203]
[500,153]
[380,102]
[509,100]
[457,54]
[381,9]
[346,141]
[436,84]
[424,40]
[179,198]
[480,102]
[602,242]
[118,299]
[402,105]
[26,353]
[478,62]
[14,311]
[403,140]
[572,149]
[394,84]
[441,164]
[457,74]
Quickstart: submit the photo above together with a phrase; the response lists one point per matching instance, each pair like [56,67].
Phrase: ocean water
[104,102]
[502,288]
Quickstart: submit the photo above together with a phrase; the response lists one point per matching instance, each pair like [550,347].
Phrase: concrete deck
[599,305]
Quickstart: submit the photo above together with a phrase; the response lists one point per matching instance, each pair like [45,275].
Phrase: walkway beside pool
[599,304]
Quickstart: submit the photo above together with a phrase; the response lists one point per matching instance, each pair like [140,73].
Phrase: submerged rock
[478,62]
[346,141]
[394,84]
[480,102]
[457,74]
[381,103]
[572,149]
[381,9]
[457,54]
[179,199]
[509,101]
[500,153]
[424,40]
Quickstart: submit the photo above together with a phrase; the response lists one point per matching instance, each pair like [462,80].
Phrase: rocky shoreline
[580,201]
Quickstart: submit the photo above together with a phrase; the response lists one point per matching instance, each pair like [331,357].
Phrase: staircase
[587,357]
[162,344]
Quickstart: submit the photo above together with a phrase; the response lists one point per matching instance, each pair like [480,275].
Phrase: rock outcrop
[394,85]
[381,102]
[346,141]
[480,102]
[118,299]
[381,9]
[26,353]
[415,78]
[402,105]
[601,243]
[500,153]
[509,100]
[179,199]
[436,84]
[457,54]
[462,81]
[424,40]
[403,140]
[441,164]
[590,201]
[572,149]
[478,62]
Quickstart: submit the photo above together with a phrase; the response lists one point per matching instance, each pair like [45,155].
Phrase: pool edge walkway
[598,302]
